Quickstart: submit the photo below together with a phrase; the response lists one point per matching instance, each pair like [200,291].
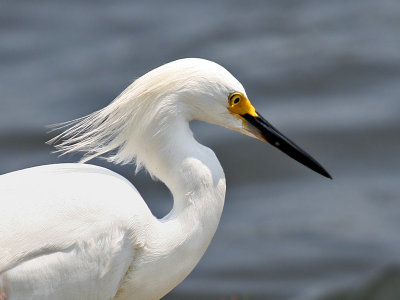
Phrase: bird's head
[216,96]
[191,88]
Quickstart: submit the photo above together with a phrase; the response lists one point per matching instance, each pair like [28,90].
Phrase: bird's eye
[236,100]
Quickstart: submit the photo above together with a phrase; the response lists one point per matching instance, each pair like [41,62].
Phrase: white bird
[79,231]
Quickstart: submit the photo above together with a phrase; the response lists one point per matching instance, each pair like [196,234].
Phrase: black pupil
[236,100]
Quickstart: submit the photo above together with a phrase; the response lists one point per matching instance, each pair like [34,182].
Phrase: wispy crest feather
[110,133]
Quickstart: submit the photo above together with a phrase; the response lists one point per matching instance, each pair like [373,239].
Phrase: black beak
[263,130]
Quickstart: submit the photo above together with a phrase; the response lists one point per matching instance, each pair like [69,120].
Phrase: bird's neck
[190,170]
[196,180]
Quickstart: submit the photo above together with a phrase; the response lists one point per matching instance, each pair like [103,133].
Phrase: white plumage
[77,231]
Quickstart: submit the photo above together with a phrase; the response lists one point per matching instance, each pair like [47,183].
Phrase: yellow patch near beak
[239,105]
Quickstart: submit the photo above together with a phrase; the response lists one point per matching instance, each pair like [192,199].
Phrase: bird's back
[74,224]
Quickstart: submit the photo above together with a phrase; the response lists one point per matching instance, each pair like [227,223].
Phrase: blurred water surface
[326,73]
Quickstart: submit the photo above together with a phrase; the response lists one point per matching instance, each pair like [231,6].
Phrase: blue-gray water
[326,73]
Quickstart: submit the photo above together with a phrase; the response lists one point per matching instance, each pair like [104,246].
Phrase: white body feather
[75,231]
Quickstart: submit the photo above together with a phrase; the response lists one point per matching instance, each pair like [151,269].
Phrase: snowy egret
[78,231]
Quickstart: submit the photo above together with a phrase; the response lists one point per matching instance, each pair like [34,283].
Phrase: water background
[326,73]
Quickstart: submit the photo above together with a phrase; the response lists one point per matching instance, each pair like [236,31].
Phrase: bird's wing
[87,269]
[66,232]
